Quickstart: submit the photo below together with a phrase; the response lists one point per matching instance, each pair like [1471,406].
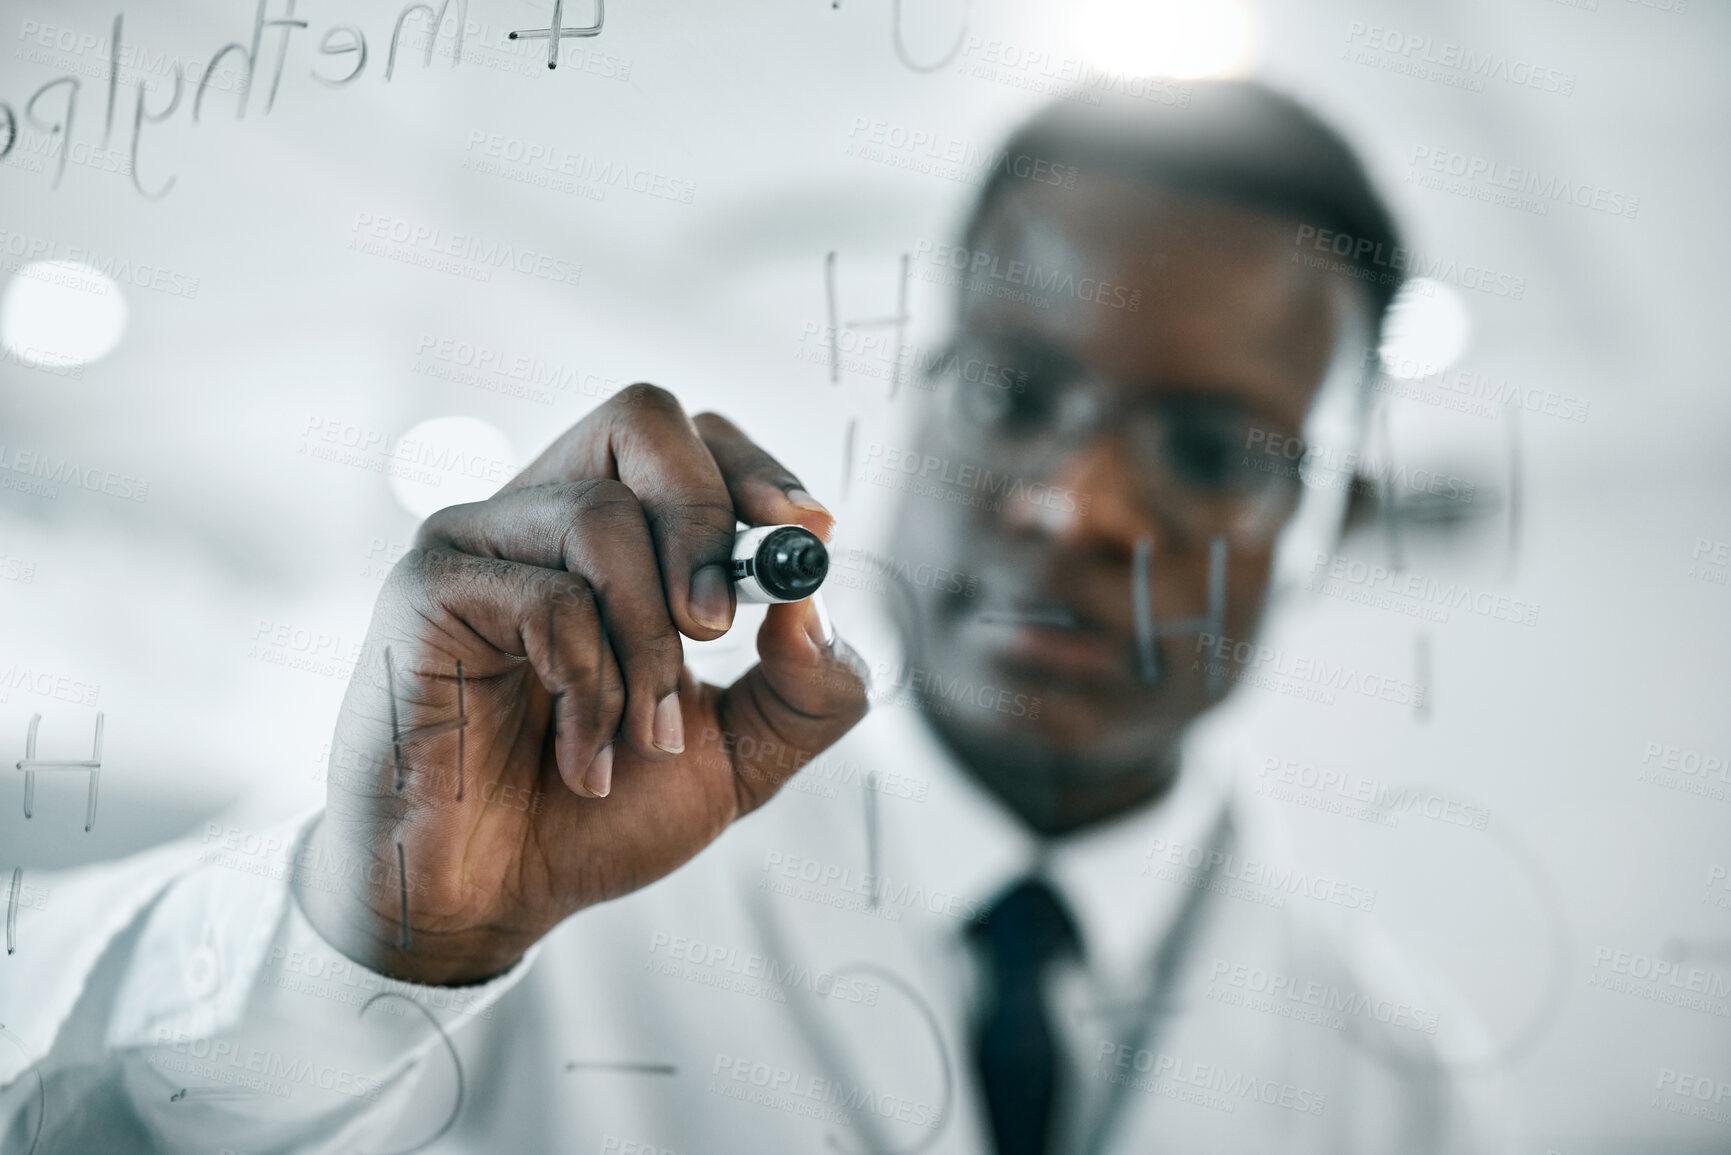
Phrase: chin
[1072,725]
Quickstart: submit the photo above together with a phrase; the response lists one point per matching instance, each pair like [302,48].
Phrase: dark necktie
[1014,1052]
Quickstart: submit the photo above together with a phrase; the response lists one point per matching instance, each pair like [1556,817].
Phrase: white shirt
[792,988]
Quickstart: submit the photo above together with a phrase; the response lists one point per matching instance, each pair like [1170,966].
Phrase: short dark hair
[1235,141]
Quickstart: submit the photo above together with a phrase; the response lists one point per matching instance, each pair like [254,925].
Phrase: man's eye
[1206,457]
[1007,390]
[1010,402]
[1207,452]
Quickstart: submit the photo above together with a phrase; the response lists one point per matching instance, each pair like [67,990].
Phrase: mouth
[1050,639]
[1054,616]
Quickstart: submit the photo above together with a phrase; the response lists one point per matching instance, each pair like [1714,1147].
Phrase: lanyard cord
[1174,952]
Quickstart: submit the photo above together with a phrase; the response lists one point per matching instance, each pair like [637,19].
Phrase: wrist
[363,920]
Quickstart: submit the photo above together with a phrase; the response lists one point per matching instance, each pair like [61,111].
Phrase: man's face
[1130,402]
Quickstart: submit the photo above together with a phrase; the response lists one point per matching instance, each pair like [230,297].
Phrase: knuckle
[576,648]
[579,673]
[416,572]
[644,397]
[704,525]
[658,652]
[571,595]
[609,698]
[599,498]
[578,669]
[594,699]
[456,580]
[438,526]
[599,516]
[434,531]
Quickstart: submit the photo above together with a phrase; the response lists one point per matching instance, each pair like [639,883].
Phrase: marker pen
[778,563]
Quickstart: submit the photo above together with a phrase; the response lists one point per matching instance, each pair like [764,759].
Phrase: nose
[1095,497]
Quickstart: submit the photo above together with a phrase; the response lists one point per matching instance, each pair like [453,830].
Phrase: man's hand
[586,761]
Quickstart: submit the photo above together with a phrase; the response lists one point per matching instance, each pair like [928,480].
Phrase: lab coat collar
[966,847]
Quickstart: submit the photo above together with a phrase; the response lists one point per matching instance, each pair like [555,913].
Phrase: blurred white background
[281,322]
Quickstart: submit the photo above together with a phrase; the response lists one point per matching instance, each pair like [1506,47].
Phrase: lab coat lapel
[1194,1080]
[894,918]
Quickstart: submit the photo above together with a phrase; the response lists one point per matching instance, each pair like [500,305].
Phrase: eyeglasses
[1198,457]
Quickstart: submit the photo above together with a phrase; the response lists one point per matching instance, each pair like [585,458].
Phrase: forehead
[1158,290]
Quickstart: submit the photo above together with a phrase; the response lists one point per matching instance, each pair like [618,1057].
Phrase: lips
[1044,639]
[1053,617]
[1057,617]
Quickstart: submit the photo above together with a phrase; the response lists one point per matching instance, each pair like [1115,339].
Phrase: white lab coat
[757,1000]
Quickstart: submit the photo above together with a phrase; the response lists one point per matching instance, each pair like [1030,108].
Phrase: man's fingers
[764,491]
[495,611]
[797,701]
[578,667]
[642,437]
[596,530]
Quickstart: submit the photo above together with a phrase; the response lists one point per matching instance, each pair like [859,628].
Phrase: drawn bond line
[897,321]
[1148,631]
[557,32]
[12,899]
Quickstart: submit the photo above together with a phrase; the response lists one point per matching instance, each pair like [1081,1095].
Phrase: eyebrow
[1222,395]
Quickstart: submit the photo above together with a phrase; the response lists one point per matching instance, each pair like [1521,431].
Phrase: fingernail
[813,627]
[806,501]
[669,730]
[818,626]
[599,779]
[712,597]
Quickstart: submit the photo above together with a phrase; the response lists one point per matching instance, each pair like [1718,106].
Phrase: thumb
[801,697]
